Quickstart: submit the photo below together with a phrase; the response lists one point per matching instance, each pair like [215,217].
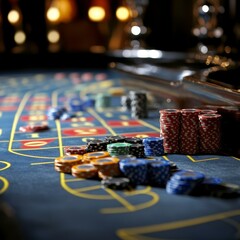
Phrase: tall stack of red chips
[169,129]
[209,133]
[188,140]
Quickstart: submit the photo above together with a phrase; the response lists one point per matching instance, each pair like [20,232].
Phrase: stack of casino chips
[102,100]
[133,140]
[126,102]
[34,127]
[138,104]
[64,164]
[137,150]
[117,183]
[95,155]
[86,170]
[96,145]
[209,133]
[107,167]
[188,139]
[89,101]
[184,182]
[76,104]
[137,147]
[71,150]
[119,149]
[153,146]
[135,170]
[56,112]
[169,129]
[114,139]
[159,171]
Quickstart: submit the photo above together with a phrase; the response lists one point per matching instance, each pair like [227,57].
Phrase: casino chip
[153,146]
[126,103]
[56,112]
[133,140]
[119,149]
[188,136]
[35,128]
[135,169]
[96,145]
[103,100]
[169,129]
[114,139]
[108,166]
[210,133]
[76,104]
[95,155]
[137,150]
[138,101]
[184,182]
[65,163]
[117,183]
[158,172]
[84,171]
[79,150]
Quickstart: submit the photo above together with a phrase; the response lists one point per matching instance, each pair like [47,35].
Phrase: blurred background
[43,27]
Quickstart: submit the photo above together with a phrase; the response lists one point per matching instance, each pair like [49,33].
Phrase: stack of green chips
[118,149]
[103,100]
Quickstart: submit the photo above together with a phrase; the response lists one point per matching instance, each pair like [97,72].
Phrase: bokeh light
[20,37]
[13,16]
[53,14]
[53,36]
[96,13]
[122,13]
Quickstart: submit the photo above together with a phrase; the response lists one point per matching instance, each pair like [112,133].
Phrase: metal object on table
[216,85]
[179,76]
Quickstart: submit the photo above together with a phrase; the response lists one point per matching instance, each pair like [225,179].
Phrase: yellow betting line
[91,111]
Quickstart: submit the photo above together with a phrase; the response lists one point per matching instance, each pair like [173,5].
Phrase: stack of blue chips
[136,170]
[76,104]
[153,146]
[158,171]
[56,112]
[89,102]
[184,182]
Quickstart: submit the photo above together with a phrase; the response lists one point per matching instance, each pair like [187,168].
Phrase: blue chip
[188,175]
[134,169]
[76,104]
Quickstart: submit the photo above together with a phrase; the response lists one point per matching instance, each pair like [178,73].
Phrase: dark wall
[171,23]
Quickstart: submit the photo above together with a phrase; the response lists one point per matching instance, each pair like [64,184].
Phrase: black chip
[117,183]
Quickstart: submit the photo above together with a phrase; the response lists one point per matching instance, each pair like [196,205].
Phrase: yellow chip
[105,161]
[84,171]
[95,155]
[69,159]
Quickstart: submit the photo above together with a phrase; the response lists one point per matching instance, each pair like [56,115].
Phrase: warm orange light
[13,16]
[53,14]
[20,37]
[122,13]
[53,36]
[67,9]
[96,13]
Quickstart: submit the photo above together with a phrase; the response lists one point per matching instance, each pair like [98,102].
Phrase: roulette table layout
[38,202]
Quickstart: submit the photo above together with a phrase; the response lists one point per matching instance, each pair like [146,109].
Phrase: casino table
[38,202]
